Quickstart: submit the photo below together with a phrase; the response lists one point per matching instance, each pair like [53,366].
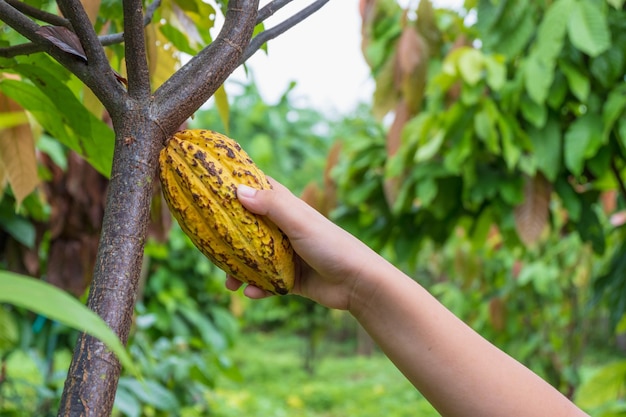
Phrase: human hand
[329,259]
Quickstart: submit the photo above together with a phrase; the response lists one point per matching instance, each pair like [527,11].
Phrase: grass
[273,383]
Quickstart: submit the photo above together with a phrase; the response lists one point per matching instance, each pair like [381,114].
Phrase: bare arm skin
[455,368]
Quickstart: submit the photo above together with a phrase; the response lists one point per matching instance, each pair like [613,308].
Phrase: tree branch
[193,84]
[39,14]
[258,41]
[22,49]
[105,40]
[271,8]
[135,49]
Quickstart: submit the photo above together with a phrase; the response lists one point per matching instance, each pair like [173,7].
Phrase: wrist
[367,283]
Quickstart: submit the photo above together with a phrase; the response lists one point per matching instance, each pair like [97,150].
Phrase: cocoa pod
[199,172]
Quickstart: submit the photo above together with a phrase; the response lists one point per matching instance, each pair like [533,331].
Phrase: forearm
[457,370]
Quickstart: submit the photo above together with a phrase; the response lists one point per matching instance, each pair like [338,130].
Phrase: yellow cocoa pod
[200,171]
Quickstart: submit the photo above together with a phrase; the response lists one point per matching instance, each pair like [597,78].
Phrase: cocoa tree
[143,113]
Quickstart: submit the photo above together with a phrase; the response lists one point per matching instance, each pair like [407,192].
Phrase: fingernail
[245,191]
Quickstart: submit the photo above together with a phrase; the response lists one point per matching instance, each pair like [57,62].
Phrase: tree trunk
[92,379]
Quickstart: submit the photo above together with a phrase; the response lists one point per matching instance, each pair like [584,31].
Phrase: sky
[322,54]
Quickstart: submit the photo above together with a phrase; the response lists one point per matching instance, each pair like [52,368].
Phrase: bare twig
[266,35]
[271,8]
[39,14]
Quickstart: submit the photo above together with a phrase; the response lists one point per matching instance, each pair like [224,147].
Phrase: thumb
[292,215]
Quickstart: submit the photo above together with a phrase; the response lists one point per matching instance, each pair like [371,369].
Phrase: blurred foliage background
[490,166]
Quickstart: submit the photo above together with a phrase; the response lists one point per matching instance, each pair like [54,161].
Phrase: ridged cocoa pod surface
[199,172]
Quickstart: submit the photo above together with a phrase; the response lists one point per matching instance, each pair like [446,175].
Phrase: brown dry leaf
[391,186]
[76,197]
[394,135]
[64,39]
[313,195]
[411,68]
[17,153]
[367,10]
[497,313]
[330,186]
[531,217]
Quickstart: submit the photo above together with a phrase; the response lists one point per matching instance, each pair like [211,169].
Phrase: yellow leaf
[221,102]
[163,58]
[92,103]
[17,154]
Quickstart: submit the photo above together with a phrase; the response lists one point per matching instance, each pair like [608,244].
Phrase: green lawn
[273,383]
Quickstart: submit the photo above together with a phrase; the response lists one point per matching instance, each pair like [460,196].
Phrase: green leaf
[426,191]
[613,108]
[569,197]
[178,39]
[498,34]
[19,227]
[127,403]
[547,148]
[618,4]
[606,384]
[539,67]
[552,30]
[485,125]
[55,304]
[61,114]
[151,392]
[582,141]
[430,148]
[621,131]
[558,91]
[496,72]
[535,113]
[538,77]
[471,94]
[511,145]
[578,82]
[470,64]
[588,28]
[459,153]
[590,228]
[9,332]
[608,67]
